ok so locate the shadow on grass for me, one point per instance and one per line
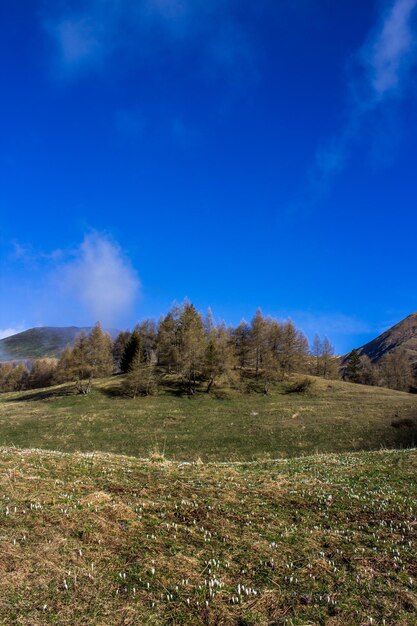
(405, 428)
(170, 389)
(115, 391)
(165, 389)
(44, 394)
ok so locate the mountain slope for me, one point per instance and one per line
(401, 336)
(39, 342)
(43, 341)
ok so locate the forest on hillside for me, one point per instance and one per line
(195, 354)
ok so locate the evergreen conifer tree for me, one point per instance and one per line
(132, 348)
(353, 367)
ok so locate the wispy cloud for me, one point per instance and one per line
(381, 73)
(8, 332)
(92, 281)
(29, 255)
(344, 331)
(331, 323)
(100, 278)
(84, 37)
(391, 52)
(78, 40)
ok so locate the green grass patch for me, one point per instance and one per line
(332, 416)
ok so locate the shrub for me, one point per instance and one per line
(301, 385)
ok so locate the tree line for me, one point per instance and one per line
(196, 354)
(395, 370)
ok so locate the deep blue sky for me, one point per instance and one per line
(239, 153)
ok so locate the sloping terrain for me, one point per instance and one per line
(41, 342)
(101, 539)
(333, 416)
(401, 336)
(38, 342)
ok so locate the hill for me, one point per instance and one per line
(44, 341)
(102, 539)
(403, 335)
(334, 416)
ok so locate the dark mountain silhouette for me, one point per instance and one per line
(401, 336)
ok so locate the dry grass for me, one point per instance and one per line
(102, 539)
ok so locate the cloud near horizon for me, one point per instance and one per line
(330, 323)
(100, 278)
(8, 332)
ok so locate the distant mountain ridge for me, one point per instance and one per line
(40, 342)
(401, 336)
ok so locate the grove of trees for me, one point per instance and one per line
(194, 353)
(395, 370)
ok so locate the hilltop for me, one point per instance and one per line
(40, 342)
(401, 336)
(101, 539)
(332, 416)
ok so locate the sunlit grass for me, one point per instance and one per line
(225, 425)
(101, 539)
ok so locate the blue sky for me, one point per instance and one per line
(239, 154)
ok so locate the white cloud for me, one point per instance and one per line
(8, 332)
(101, 279)
(390, 54)
(381, 72)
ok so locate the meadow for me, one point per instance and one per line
(332, 416)
(227, 509)
(101, 539)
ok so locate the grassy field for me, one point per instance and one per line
(101, 539)
(333, 417)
